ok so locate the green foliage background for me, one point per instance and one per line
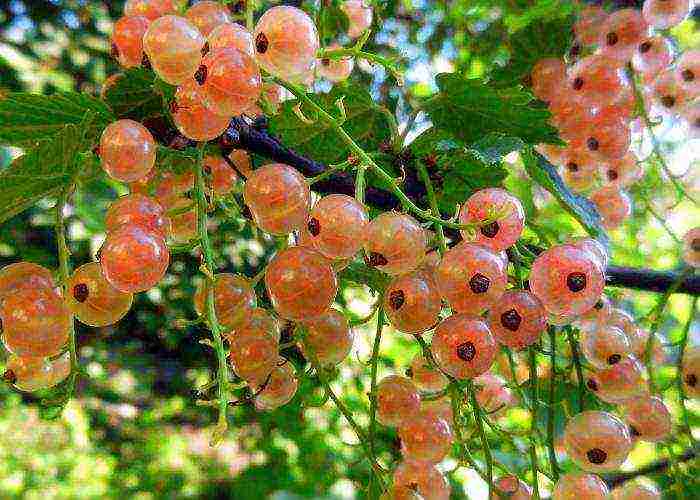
(134, 430)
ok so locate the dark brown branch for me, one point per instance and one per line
(653, 468)
(650, 280)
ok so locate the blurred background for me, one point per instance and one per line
(133, 430)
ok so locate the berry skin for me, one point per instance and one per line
(278, 197)
(621, 172)
(127, 40)
(691, 115)
(691, 247)
(395, 243)
(234, 300)
(648, 418)
(231, 81)
(691, 372)
(412, 303)
(668, 94)
(286, 42)
(425, 376)
(618, 383)
(579, 485)
(425, 437)
(24, 275)
(337, 226)
(595, 79)
(441, 407)
(137, 210)
(613, 204)
(663, 14)
(397, 400)
(605, 137)
(471, 278)
(335, 70)
(597, 441)
(134, 259)
(253, 354)
(687, 73)
(547, 75)
(492, 393)
(222, 178)
(184, 225)
(360, 16)
(34, 374)
(241, 160)
(127, 150)
(635, 490)
(463, 346)
(422, 478)
(301, 284)
(652, 55)
(231, 36)
(151, 9)
(621, 34)
(482, 205)
(517, 319)
(174, 47)
(594, 248)
(35, 322)
(588, 24)
(207, 15)
(194, 120)
(279, 389)
(510, 487)
(605, 346)
(93, 300)
(578, 169)
(329, 337)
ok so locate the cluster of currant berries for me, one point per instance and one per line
(594, 103)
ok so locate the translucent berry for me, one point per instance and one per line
(137, 210)
(222, 178)
(622, 32)
(286, 42)
(668, 94)
(231, 36)
(517, 319)
(234, 299)
(691, 115)
(35, 322)
(621, 172)
(335, 70)
(579, 485)
(425, 437)
(597, 441)
(613, 204)
(471, 278)
(441, 407)
(652, 55)
(547, 74)
(231, 81)
(596, 316)
(492, 394)
(422, 478)
(691, 247)
(301, 283)
(567, 280)
(618, 383)
(579, 169)
(329, 337)
(606, 137)
(208, 15)
(134, 259)
(648, 418)
(463, 346)
(93, 300)
(412, 302)
(337, 226)
(183, 225)
(279, 388)
(194, 120)
(278, 197)
(127, 150)
(151, 9)
(635, 490)
(663, 14)
(605, 346)
(24, 275)
(253, 354)
(587, 26)
(127, 40)
(397, 400)
(360, 16)
(395, 243)
(691, 372)
(510, 487)
(489, 204)
(688, 73)
(594, 248)
(34, 374)
(425, 376)
(595, 79)
(174, 48)
(241, 160)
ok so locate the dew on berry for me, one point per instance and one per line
(517, 319)
(395, 243)
(463, 346)
(397, 400)
(127, 150)
(412, 302)
(329, 337)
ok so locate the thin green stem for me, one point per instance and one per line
(550, 407)
(249, 11)
(455, 398)
(533, 421)
(432, 200)
(329, 172)
(360, 184)
(514, 376)
(208, 268)
(64, 272)
(357, 52)
(576, 357)
(373, 380)
(476, 409)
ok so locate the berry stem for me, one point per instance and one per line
(357, 52)
(455, 398)
(478, 418)
(683, 343)
(373, 379)
(210, 265)
(577, 364)
(550, 406)
(533, 421)
(432, 200)
(249, 11)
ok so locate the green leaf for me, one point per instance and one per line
(545, 174)
(359, 273)
(470, 109)
(332, 22)
(26, 119)
(45, 170)
(134, 95)
(365, 123)
(493, 148)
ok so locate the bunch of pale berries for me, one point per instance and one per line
(594, 103)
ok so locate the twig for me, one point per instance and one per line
(550, 407)
(476, 409)
(575, 356)
(432, 200)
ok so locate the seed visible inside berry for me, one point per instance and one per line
(261, 43)
(9, 377)
(645, 47)
(578, 83)
(691, 380)
(592, 144)
(466, 351)
(314, 226)
(205, 49)
(200, 75)
(81, 292)
(611, 39)
(634, 431)
(592, 385)
(490, 230)
(613, 359)
(668, 101)
(479, 283)
(612, 175)
(596, 456)
(396, 299)
(576, 282)
(695, 245)
(325, 61)
(376, 259)
(572, 166)
(688, 75)
(511, 320)
(599, 305)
